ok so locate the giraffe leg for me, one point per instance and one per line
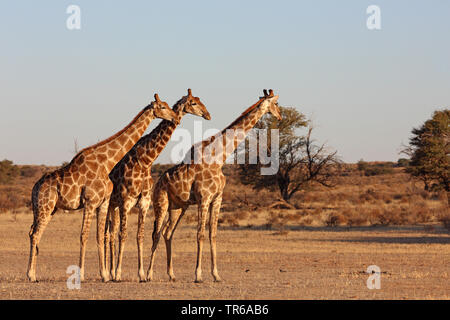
(101, 221)
(160, 211)
(143, 206)
(88, 214)
(213, 219)
(174, 218)
(202, 215)
(113, 227)
(106, 241)
(108, 228)
(123, 234)
(43, 217)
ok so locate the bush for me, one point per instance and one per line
(402, 162)
(29, 171)
(362, 165)
(370, 169)
(8, 171)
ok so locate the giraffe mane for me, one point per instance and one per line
(211, 139)
(177, 104)
(98, 144)
(247, 111)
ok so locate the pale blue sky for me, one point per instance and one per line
(364, 89)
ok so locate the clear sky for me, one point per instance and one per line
(365, 89)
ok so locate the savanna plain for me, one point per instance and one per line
(318, 247)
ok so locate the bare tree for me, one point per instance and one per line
(302, 161)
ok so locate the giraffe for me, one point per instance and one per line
(133, 182)
(201, 183)
(84, 183)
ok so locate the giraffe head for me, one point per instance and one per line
(193, 105)
(162, 110)
(269, 104)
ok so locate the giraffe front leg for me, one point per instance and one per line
(101, 222)
(123, 234)
(213, 219)
(113, 227)
(202, 215)
(140, 239)
(106, 242)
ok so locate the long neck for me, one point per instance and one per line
(155, 142)
(109, 152)
(230, 137)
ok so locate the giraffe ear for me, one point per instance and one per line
(157, 98)
(189, 92)
(270, 93)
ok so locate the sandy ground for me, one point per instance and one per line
(302, 263)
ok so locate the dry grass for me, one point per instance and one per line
(255, 263)
(317, 249)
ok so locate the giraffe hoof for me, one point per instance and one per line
(105, 279)
(142, 280)
(173, 280)
(198, 281)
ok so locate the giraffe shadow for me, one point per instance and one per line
(385, 240)
(437, 229)
(412, 234)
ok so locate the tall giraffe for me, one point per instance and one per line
(84, 183)
(133, 182)
(202, 184)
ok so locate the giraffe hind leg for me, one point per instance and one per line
(175, 216)
(160, 210)
(42, 216)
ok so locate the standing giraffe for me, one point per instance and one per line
(202, 183)
(133, 182)
(84, 183)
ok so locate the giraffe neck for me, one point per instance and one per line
(155, 142)
(110, 151)
(233, 135)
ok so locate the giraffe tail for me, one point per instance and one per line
(35, 207)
